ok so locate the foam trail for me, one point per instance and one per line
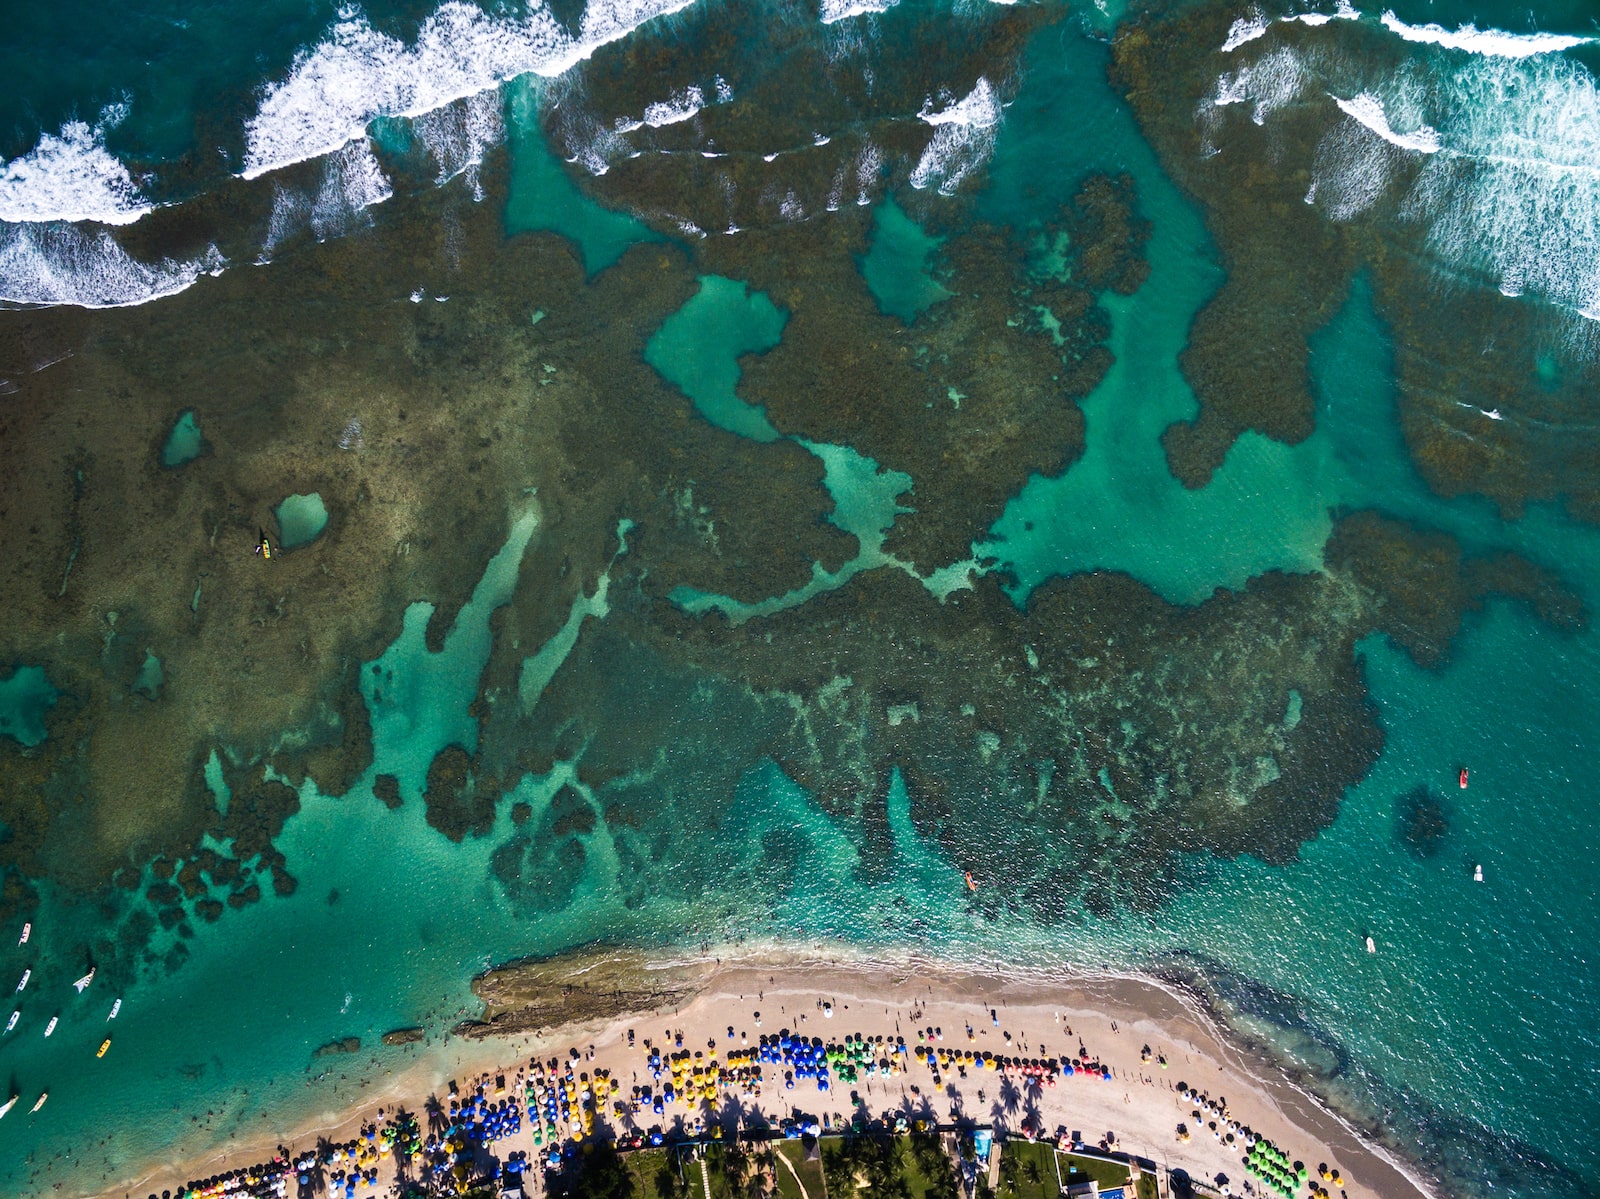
(335, 89)
(63, 264)
(1368, 110)
(71, 176)
(352, 181)
(840, 10)
(460, 134)
(1494, 43)
(963, 139)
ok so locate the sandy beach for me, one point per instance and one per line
(1127, 1025)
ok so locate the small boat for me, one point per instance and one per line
(26, 975)
(1477, 874)
(9, 1104)
(26, 929)
(1463, 779)
(51, 1027)
(1371, 946)
(12, 1023)
(971, 886)
(83, 983)
(45, 1095)
(104, 1045)
(115, 1008)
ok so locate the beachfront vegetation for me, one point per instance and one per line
(907, 1167)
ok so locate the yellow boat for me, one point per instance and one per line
(104, 1045)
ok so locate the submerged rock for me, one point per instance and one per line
(343, 1045)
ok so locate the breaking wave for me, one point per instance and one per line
(63, 264)
(1492, 157)
(71, 176)
(963, 139)
(337, 88)
(1491, 42)
(840, 10)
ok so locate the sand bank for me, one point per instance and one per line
(592, 1000)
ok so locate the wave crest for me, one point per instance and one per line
(71, 176)
(64, 264)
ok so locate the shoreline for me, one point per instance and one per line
(1116, 1015)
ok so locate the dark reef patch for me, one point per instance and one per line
(1497, 396)
(1422, 821)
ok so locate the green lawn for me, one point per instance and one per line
(1107, 1174)
(1027, 1171)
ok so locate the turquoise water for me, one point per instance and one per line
(651, 804)
(184, 443)
(26, 696)
(896, 268)
(301, 519)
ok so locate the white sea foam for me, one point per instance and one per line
(1349, 173)
(963, 139)
(291, 212)
(71, 176)
(460, 134)
(681, 107)
(64, 264)
(336, 88)
(1492, 160)
(352, 181)
(1246, 29)
(1368, 110)
(1344, 12)
(979, 109)
(869, 169)
(1495, 43)
(1267, 84)
(839, 10)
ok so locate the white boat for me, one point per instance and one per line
(83, 983)
(45, 1095)
(26, 975)
(115, 1008)
(51, 1027)
(12, 1023)
(1371, 946)
(9, 1104)
(1477, 874)
(26, 929)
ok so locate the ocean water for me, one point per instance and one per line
(610, 367)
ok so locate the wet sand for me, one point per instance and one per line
(1115, 1019)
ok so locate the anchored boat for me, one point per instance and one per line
(83, 983)
(26, 975)
(104, 1045)
(9, 1104)
(40, 1104)
(26, 929)
(115, 1008)
(12, 1023)
(51, 1027)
